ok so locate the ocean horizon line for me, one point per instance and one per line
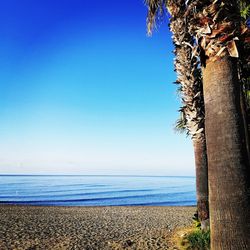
(100, 175)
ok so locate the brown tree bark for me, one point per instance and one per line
(228, 166)
(200, 153)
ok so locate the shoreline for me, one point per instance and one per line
(3, 204)
(90, 227)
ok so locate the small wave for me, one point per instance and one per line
(148, 196)
(73, 194)
(74, 203)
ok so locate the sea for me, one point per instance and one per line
(96, 190)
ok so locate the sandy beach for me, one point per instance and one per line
(32, 227)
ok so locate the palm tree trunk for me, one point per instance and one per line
(200, 153)
(228, 166)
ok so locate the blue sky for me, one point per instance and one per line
(84, 90)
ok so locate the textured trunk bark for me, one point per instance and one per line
(228, 166)
(200, 153)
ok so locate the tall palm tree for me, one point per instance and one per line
(189, 78)
(215, 26)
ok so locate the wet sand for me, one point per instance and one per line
(99, 228)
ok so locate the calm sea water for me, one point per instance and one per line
(97, 190)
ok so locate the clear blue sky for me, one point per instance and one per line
(84, 90)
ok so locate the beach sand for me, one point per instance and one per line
(101, 228)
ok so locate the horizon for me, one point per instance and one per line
(108, 175)
(87, 91)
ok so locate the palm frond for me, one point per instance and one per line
(181, 123)
(156, 10)
(245, 9)
(186, 63)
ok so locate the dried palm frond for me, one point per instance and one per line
(188, 72)
(186, 60)
(156, 9)
(216, 27)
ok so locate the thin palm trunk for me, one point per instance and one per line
(200, 153)
(229, 193)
